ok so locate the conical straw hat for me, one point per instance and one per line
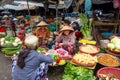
(5, 16)
(66, 28)
(42, 23)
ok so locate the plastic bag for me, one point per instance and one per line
(61, 52)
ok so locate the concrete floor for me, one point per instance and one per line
(54, 73)
(5, 68)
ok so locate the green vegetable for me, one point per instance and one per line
(15, 44)
(115, 40)
(111, 46)
(114, 44)
(2, 35)
(7, 44)
(102, 49)
(40, 49)
(87, 26)
(8, 41)
(56, 57)
(17, 39)
(117, 46)
(67, 77)
(11, 50)
(9, 37)
(77, 73)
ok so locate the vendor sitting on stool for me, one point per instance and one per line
(42, 33)
(66, 39)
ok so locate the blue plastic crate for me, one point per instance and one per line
(106, 34)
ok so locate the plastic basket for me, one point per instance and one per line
(106, 34)
(109, 70)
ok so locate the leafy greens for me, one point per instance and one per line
(72, 72)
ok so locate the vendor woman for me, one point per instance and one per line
(66, 39)
(42, 33)
(9, 24)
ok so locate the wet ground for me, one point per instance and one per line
(54, 73)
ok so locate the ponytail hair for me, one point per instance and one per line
(21, 57)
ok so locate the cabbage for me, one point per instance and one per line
(6, 41)
(20, 42)
(15, 44)
(115, 40)
(117, 46)
(111, 46)
(17, 40)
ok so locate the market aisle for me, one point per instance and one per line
(5, 68)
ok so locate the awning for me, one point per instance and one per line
(31, 7)
(30, 3)
(65, 4)
(19, 7)
(13, 7)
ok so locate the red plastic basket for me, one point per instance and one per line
(109, 70)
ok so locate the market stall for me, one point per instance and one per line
(82, 58)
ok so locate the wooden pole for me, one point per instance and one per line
(118, 15)
(29, 12)
(28, 7)
(56, 17)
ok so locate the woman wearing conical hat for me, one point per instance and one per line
(66, 39)
(9, 24)
(42, 33)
